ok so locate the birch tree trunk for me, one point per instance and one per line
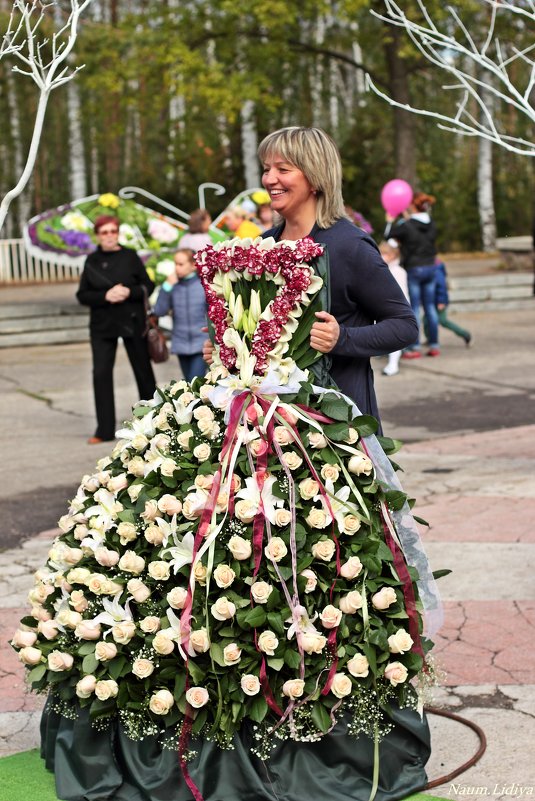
(485, 196)
(23, 205)
(249, 143)
(398, 81)
(77, 171)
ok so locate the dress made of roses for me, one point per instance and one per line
(233, 566)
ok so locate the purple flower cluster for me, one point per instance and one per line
(77, 239)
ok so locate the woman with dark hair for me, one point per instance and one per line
(416, 234)
(114, 284)
(197, 236)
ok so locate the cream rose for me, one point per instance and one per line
(318, 518)
(68, 618)
(317, 440)
(150, 512)
(154, 534)
(150, 624)
(142, 668)
(231, 654)
(80, 531)
(352, 436)
(106, 557)
(118, 483)
(200, 573)
(330, 472)
(200, 641)
(292, 460)
(87, 630)
(127, 532)
(23, 639)
(130, 562)
(202, 452)
(203, 413)
(283, 435)
(139, 591)
(312, 579)
(239, 547)
(258, 447)
(224, 576)
(78, 575)
(123, 632)
(351, 602)
(358, 666)
(136, 467)
(400, 642)
(168, 467)
(352, 568)
(197, 697)
(268, 642)
(261, 591)
(184, 437)
(330, 617)
(282, 517)
(324, 550)
(163, 642)
(169, 505)
(384, 598)
(30, 655)
(341, 685)
(396, 673)
(176, 598)
(250, 684)
(312, 642)
(134, 491)
(308, 488)
(204, 482)
(161, 702)
(223, 609)
(350, 525)
(104, 651)
(86, 686)
(360, 464)
(159, 570)
(139, 442)
(293, 688)
(245, 511)
(106, 689)
(59, 661)
(48, 629)
(276, 549)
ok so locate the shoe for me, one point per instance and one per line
(391, 370)
(96, 440)
(433, 352)
(468, 340)
(411, 354)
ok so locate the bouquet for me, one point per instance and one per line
(234, 562)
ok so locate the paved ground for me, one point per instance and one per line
(469, 423)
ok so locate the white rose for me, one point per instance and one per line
(200, 573)
(184, 438)
(400, 642)
(123, 632)
(159, 570)
(161, 702)
(308, 488)
(396, 673)
(202, 452)
(311, 578)
(250, 684)
(59, 661)
(23, 639)
(168, 467)
(317, 440)
(30, 655)
(231, 654)
(134, 491)
(200, 641)
(204, 482)
(154, 534)
(331, 617)
(197, 697)
(350, 524)
(245, 511)
(163, 642)
(324, 550)
(292, 460)
(352, 436)
(68, 618)
(150, 512)
(150, 624)
(268, 642)
(224, 576)
(203, 413)
(127, 532)
(359, 666)
(276, 549)
(106, 557)
(136, 467)
(351, 568)
(139, 591)
(341, 685)
(351, 602)
(169, 505)
(86, 686)
(139, 442)
(78, 575)
(104, 651)
(330, 472)
(293, 688)
(78, 601)
(239, 547)
(261, 591)
(106, 689)
(312, 642)
(360, 464)
(142, 668)
(384, 598)
(318, 518)
(176, 598)
(130, 562)
(283, 435)
(87, 630)
(282, 517)
(48, 629)
(118, 483)
(223, 609)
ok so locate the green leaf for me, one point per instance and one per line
(275, 663)
(421, 521)
(258, 709)
(275, 622)
(337, 431)
(389, 445)
(199, 721)
(196, 672)
(115, 666)
(256, 617)
(440, 573)
(216, 652)
(395, 499)
(366, 425)
(320, 717)
(292, 658)
(336, 408)
(37, 673)
(89, 664)
(86, 648)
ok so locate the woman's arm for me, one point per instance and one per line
(143, 280)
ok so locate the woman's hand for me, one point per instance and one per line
(324, 333)
(117, 294)
(207, 348)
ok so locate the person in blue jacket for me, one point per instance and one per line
(442, 301)
(182, 295)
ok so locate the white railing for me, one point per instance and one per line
(17, 266)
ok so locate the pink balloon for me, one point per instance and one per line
(396, 196)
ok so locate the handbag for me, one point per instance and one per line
(156, 341)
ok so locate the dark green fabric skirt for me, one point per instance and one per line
(92, 765)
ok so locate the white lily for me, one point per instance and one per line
(139, 425)
(178, 635)
(184, 414)
(168, 529)
(237, 314)
(181, 551)
(300, 621)
(251, 492)
(114, 613)
(339, 503)
(105, 511)
(255, 307)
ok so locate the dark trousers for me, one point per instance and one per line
(104, 350)
(192, 365)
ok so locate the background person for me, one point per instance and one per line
(113, 284)
(197, 236)
(182, 294)
(389, 250)
(416, 234)
(442, 301)
(238, 223)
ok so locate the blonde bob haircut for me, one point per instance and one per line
(313, 152)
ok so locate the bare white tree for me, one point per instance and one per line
(511, 70)
(44, 61)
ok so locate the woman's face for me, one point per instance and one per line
(108, 236)
(289, 189)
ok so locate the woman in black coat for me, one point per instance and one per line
(113, 284)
